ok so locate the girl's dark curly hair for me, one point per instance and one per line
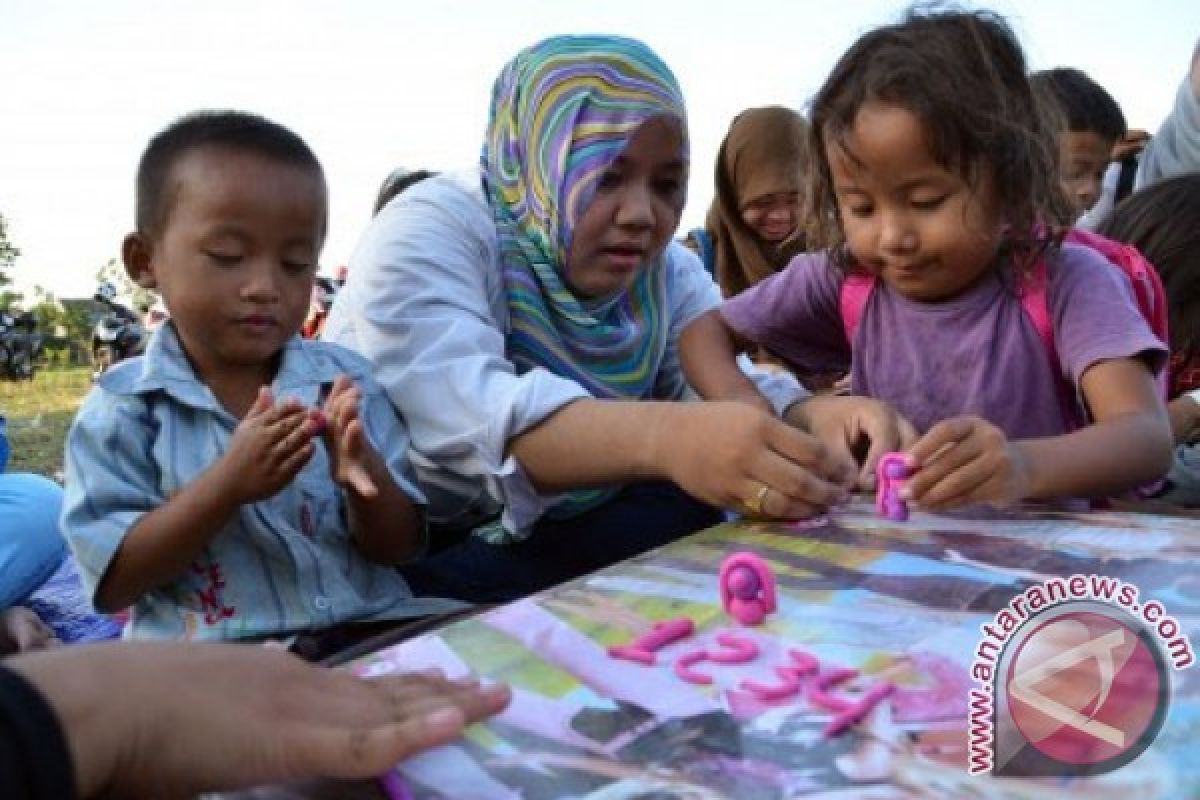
(963, 75)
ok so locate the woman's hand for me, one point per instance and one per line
(735, 456)
(855, 429)
(173, 719)
(967, 461)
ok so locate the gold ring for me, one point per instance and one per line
(755, 504)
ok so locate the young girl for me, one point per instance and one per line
(934, 171)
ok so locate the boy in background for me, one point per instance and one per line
(1093, 125)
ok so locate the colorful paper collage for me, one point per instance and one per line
(901, 602)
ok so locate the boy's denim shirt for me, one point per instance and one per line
(279, 565)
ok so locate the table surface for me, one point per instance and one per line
(901, 602)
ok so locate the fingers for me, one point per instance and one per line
(28, 631)
(946, 432)
(839, 453)
(428, 711)
(805, 450)
(885, 435)
(793, 492)
(348, 753)
(262, 402)
(294, 462)
(353, 444)
(963, 461)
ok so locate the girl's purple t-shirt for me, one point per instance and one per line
(978, 353)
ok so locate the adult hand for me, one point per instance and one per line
(859, 430)
(270, 445)
(349, 450)
(175, 719)
(967, 461)
(735, 456)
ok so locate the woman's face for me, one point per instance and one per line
(773, 217)
(633, 213)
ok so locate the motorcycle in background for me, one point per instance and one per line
(118, 334)
(20, 346)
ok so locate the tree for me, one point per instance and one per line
(112, 272)
(8, 253)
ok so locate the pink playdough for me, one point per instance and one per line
(855, 714)
(683, 668)
(734, 649)
(642, 649)
(747, 588)
(890, 474)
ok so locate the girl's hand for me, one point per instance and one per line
(967, 461)
(855, 429)
(270, 445)
(734, 456)
(349, 451)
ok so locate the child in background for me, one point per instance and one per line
(1091, 127)
(935, 174)
(1163, 223)
(754, 225)
(237, 481)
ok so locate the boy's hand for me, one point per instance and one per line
(967, 461)
(350, 454)
(270, 445)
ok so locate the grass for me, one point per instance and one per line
(39, 413)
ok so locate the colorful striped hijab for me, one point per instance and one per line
(562, 112)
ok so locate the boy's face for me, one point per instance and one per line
(1083, 157)
(235, 257)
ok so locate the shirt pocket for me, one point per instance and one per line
(318, 513)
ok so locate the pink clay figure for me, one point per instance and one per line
(747, 588)
(891, 473)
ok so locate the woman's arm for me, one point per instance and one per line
(722, 453)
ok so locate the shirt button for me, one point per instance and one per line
(322, 603)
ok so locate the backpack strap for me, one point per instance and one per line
(852, 298)
(1033, 292)
(1035, 300)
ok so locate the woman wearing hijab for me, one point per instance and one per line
(524, 316)
(753, 226)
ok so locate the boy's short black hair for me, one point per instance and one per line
(235, 130)
(1085, 105)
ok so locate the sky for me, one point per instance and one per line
(372, 85)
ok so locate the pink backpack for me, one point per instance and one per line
(1147, 290)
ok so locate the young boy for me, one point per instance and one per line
(237, 481)
(1093, 124)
